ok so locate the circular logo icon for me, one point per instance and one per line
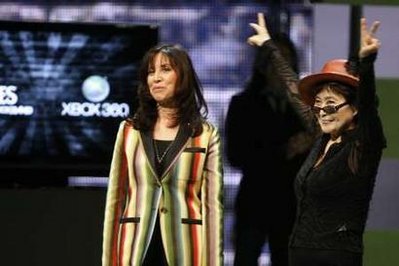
(95, 88)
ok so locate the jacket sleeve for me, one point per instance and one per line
(212, 203)
(290, 79)
(370, 126)
(114, 199)
(366, 154)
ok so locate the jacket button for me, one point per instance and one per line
(164, 210)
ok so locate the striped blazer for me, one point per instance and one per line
(188, 197)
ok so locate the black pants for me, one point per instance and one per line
(156, 255)
(250, 238)
(320, 257)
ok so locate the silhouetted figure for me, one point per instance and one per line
(267, 142)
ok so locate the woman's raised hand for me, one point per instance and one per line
(369, 44)
(262, 34)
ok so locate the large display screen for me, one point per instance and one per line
(64, 88)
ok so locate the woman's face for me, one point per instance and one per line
(161, 80)
(338, 116)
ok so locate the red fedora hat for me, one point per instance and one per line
(333, 71)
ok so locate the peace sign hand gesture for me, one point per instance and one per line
(369, 44)
(262, 34)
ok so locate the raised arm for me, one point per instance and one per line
(283, 69)
(368, 49)
(368, 121)
(262, 38)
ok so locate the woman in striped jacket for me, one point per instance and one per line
(164, 201)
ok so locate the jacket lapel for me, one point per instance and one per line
(311, 160)
(181, 138)
(149, 148)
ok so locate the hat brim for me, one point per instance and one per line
(308, 84)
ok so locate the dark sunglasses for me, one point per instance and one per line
(328, 109)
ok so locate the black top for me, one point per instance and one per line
(161, 148)
(333, 198)
(156, 254)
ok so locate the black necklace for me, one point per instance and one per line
(159, 156)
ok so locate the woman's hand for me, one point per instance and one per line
(369, 44)
(262, 34)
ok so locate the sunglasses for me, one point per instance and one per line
(328, 109)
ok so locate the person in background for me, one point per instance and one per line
(164, 203)
(335, 184)
(266, 141)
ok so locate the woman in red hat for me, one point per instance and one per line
(335, 184)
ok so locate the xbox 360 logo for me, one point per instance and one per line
(95, 88)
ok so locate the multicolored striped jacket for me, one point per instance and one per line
(188, 197)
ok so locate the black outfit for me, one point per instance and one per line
(263, 135)
(333, 198)
(155, 255)
(324, 257)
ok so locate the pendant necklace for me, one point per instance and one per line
(157, 155)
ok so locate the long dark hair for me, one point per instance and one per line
(189, 100)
